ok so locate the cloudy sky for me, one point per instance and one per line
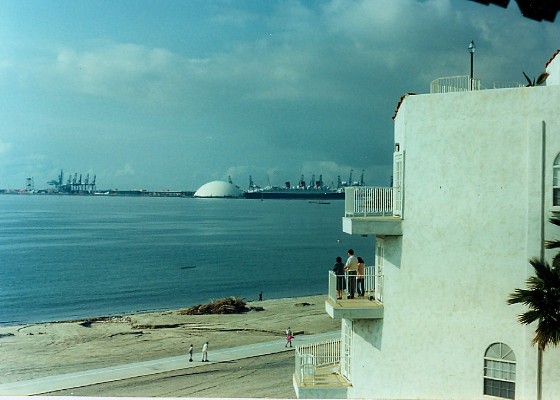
(171, 94)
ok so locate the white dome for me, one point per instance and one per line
(218, 189)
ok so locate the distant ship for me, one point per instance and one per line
(315, 190)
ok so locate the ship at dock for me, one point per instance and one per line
(314, 190)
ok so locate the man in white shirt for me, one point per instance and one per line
(205, 352)
(352, 268)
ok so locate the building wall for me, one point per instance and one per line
(472, 219)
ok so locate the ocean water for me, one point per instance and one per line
(69, 257)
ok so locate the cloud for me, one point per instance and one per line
(126, 170)
(276, 90)
(125, 72)
(4, 147)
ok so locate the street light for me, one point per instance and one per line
(472, 48)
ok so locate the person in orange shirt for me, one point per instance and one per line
(361, 277)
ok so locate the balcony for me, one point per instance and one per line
(370, 306)
(317, 371)
(373, 211)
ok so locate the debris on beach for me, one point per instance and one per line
(87, 323)
(3, 335)
(229, 305)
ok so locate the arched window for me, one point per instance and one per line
(499, 371)
(556, 181)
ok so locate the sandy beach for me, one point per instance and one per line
(39, 350)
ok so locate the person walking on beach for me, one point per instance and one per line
(352, 268)
(338, 270)
(190, 352)
(289, 337)
(205, 352)
(361, 277)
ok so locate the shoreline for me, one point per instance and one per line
(134, 312)
(52, 348)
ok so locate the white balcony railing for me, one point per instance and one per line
(363, 201)
(312, 356)
(373, 284)
(455, 84)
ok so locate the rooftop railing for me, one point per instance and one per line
(312, 356)
(455, 84)
(364, 201)
(507, 85)
(465, 83)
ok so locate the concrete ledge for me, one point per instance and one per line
(379, 226)
(359, 308)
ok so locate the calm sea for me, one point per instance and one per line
(67, 257)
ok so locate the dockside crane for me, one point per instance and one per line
(302, 182)
(57, 183)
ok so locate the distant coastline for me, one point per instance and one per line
(110, 192)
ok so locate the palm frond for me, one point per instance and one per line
(528, 80)
(554, 220)
(542, 78)
(552, 244)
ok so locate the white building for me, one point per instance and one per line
(476, 177)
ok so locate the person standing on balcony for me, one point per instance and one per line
(338, 270)
(352, 268)
(361, 277)
(190, 353)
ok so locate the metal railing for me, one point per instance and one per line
(373, 284)
(455, 84)
(312, 356)
(507, 85)
(370, 201)
(465, 83)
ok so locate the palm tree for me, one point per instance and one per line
(542, 296)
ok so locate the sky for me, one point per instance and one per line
(171, 94)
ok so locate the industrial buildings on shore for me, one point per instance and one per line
(77, 184)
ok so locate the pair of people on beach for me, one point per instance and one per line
(204, 352)
(355, 268)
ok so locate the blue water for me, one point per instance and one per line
(68, 257)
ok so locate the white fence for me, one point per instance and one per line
(369, 201)
(373, 284)
(455, 84)
(309, 357)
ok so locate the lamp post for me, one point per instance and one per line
(471, 51)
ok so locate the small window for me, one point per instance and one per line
(556, 182)
(499, 371)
